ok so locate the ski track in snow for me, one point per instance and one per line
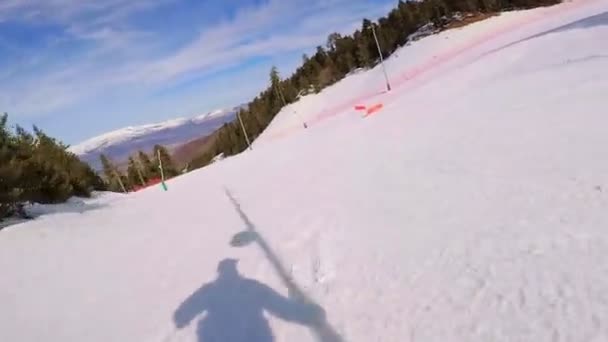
(472, 207)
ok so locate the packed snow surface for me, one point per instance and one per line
(472, 207)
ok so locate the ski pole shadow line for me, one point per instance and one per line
(234, 308)
(320, 327)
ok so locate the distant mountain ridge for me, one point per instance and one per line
(118, 145)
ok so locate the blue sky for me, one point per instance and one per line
(78, 68)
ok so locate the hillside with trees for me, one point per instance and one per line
(343, 54)
(37, 168)
(142, 170)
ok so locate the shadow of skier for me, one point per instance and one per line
(235, 305)
(321, 329)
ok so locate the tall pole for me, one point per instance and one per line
(160, 165)
(388, 84)
(122, 185)
(141, 177)
(162, 172)
(238, 113)
(280, 93)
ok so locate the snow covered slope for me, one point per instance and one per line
(472, 207)
(119, 144)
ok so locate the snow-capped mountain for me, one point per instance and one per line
(121, 143)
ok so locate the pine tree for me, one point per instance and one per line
(148, 168)
(113, 178)
(9, 185)
(79, 178)
(108, 167)
(344, 55)
(254, 127)
(168, 166)
(387, 36)
(134, 174)
(50, 174)
(278, 98)
(363, 55)
(9, 171)
(38, 168)
(329, 74)
(320, 56)
(305, 59)
(314, 71)
(346, 62)
(289, 90)
(275, 79)
(332, 42)
(303, 84)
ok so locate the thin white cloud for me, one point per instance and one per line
(253, 33)
(64, 10)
